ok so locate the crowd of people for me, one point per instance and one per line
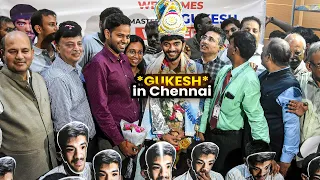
(63, 97)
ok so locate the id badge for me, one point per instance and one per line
(216, 111)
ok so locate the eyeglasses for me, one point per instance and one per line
(132, 52)
(209, 38)
(315, 65)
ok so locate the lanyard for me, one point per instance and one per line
(233, 78)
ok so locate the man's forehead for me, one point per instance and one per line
(205, 19)
(251, 23)
(23, 20)
(212, 34)
(71, 39)
(172, 41)
(79, 140)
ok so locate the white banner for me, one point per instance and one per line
(86, 13)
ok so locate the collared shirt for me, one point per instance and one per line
(92, 45)
(194, 47)
(108, 81)
(256, 58)
(187, 176)
(300, 69)
(311, 94)
(86, 173)
(41, 60)
(242, 172)
(213, 67)
(244, 86)
(291, 123)
(67, 96)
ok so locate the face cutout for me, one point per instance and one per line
(160, 158)
(7, 166)
(73, 143)
(260, 170)
(107, 165)
(203, 157)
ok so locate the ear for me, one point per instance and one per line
(144, 174)
(308, 66)
(100, 24)
(107, 34)
(58, 48)
(184, 45)
(199, 26)
(38, 29)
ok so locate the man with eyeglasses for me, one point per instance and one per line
(308, 109)
(278, 86)
(236, 100)
(311, 167)
(258, 164)
(6, 26)
(210, 45)
(20, 15)
(297, 46)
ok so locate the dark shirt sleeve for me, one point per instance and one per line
(96, 82)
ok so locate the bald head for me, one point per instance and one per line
(15, 37)
(18, 52)
(279, 50)
(297, 46)
(296, 38)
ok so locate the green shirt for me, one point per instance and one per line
(245, 87)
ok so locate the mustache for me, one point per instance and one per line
(77, 159)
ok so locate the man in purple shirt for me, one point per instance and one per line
(108, 79)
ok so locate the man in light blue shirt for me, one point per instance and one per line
(278, 87)
(93, 43)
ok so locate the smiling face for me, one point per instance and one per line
(209, 43)
(172, 49)
(135, 53)
(18, 54)
(70, 49)
(75, 153)
(119, 38)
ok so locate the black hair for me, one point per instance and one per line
(115, 20)
(171, 37)
(134, 38)
(279, 50)
(306, 33)
(314, 165)
(68, 29)
(219, 31)
(151, 25)
(21, 11)
(55, 176)
(245, 42)
(277, 33)
(157, 150)
(70, 130)
(257, 146)
(205, 148)
(230, 20)
(7, 164)
(106, 157)
(142, 160)
(108, 11)
(4, 19)
(198, 20)
(36, 18)
(251, 18)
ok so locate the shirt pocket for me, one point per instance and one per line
(231, 100)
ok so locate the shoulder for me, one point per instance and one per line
(236, 172)
(216, 175)
(88, 38)
(181, 177)
(278, 177)
(53, 74)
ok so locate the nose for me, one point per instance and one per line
(230, 33)
(78, 154)
(28, 27)
(55, 28)
(19, 55)
(164, 173)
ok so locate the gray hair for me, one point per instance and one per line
(280, 52)
(294, 36)
(314, 48)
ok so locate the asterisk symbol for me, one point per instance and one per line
(140, 78)
(205, 78)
